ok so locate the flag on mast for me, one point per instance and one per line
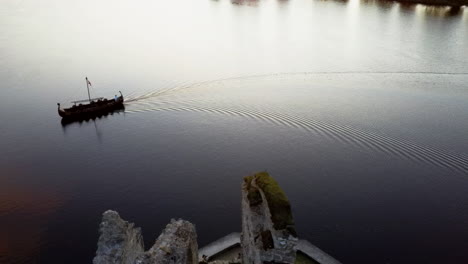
(88, 82)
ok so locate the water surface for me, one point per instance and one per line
(358, 108)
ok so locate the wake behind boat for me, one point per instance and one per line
(90, 108)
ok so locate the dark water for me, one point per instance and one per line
(358, 109)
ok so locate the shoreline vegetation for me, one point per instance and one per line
(449, 5)
(455, 5)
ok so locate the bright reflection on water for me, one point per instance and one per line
(358, 108)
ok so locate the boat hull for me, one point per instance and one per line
(91, 110)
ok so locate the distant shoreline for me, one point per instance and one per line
(440, 3)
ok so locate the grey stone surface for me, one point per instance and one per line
(260, 241)
(119, 241)
(177, 244)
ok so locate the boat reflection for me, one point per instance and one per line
(67, 122)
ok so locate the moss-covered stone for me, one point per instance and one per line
(278, 203)
(253, 195)
(255, 198)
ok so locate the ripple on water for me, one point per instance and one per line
(201, 97)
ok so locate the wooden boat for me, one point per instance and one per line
(90, 108)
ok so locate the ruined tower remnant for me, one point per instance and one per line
(121, 243)
(268, 233)
(177, 244)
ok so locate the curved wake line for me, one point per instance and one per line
(325, 127)
(344, 134)
(155, 93)
(188, 85)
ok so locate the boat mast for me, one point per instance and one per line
(87, 86)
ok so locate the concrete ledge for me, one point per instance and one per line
(233, 240)
(315, 253)
(219, 245)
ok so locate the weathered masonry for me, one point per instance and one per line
(268, 236)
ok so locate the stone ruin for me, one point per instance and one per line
(121, 243)
(268, 234)
(176, 244)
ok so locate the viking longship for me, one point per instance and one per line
(91, 107)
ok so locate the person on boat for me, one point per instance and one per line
(115, 97)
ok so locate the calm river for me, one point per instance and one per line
(358, 108)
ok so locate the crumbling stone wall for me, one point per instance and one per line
(268, 234)
(120, 242)
(177, 244)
